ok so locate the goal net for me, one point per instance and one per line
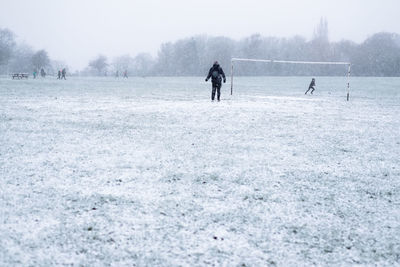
(271, 61)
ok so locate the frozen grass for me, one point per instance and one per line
(150, 172)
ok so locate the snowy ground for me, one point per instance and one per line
(147, 171)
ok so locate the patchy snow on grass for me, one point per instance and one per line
(100, 171)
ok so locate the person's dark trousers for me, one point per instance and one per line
(311, 87)
(216, 87)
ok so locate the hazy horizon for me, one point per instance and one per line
(76, 32)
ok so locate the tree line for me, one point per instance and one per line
(378, 55)
(22, 58)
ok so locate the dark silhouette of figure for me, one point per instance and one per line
(59, 75)
(42, 73)
(311, 86)
(126, 74)
(63, 72)
(215, 74)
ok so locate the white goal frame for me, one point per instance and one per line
(294, 62)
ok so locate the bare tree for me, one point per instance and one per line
(321, 49)
(7, 44)
(321, 32)
(122, 63)
(21, 60)
(99, 64)
(40, 59)
(142, 64)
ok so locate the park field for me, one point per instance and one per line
(150, 172)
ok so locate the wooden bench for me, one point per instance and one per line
(20, 76)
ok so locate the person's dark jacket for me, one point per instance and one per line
(312, 84)
(215, 74)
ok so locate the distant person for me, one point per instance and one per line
(215, 74)
(117, 74)
(126, 74)
(34, 74)
(63, 72)
(42, 73)
(311, 86)
(59, 75)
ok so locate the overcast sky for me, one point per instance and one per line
(75, 31)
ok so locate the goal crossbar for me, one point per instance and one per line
(295, 62)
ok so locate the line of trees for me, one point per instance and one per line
(379, 55)
(21, 58)
(141, 65)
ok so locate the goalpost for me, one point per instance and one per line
(294, 62)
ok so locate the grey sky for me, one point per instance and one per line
(77, 30)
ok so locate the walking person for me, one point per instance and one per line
(59, 75)
(42, 73)
(311, 86)
(63, 72)
(215, 74)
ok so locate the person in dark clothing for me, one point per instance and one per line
(59, 75)
(215, 74)
(42, 73)
(311, 86)
(63, 72)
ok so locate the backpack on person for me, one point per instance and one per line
(215, 74)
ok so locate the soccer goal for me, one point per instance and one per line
(348, 64)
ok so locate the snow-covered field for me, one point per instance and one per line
(149, 172)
